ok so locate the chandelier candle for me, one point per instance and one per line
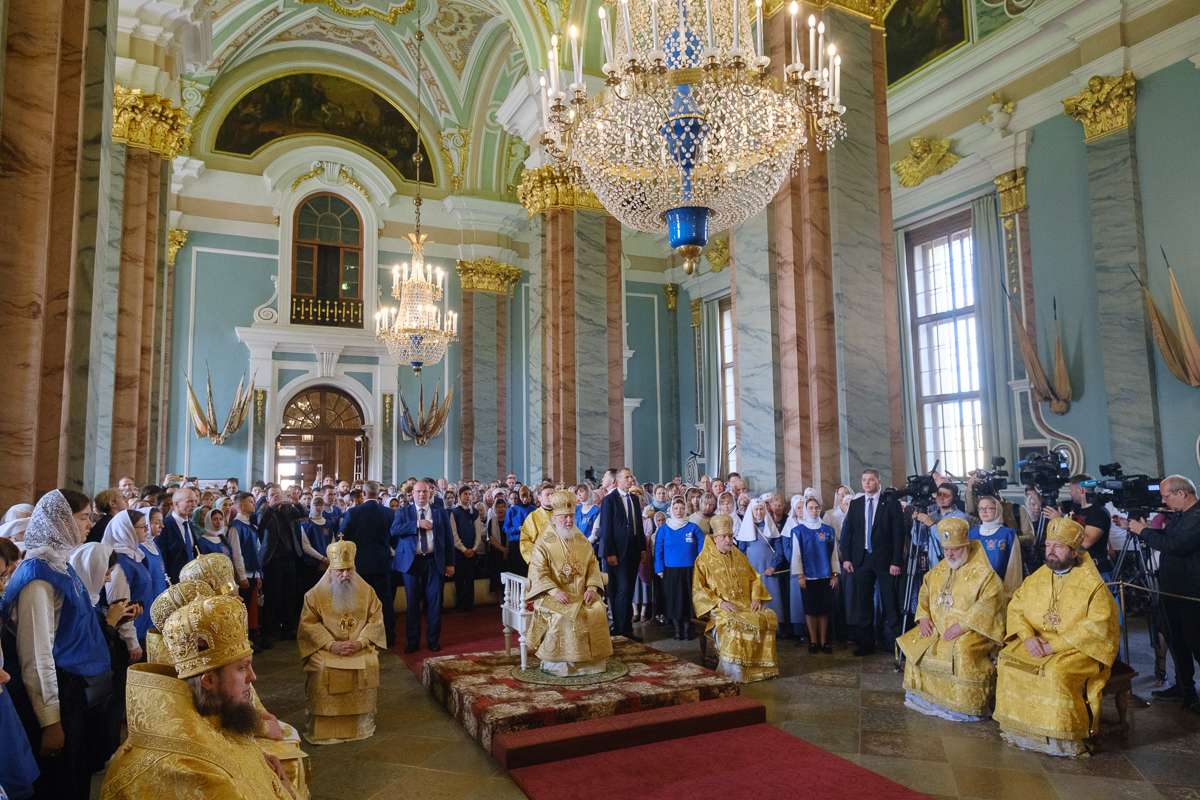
(606, 35)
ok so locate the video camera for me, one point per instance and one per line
(991, 482)
(1136, 495)
(1046, 472)
(920, 491)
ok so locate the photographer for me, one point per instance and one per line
(946, 507)
(1179, 573)
(1095, 522)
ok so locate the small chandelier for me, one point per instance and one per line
(417, 332)
(691, 131)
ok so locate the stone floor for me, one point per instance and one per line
(849, 706)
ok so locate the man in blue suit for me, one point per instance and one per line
(177, 541)
(622, 543)
(369, 526)
(423, 556)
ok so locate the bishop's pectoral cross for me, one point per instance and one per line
(347, 624)
(1051, 619)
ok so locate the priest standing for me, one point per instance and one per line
(730, 594)
(340, 634)
(570, 625)
(1063, 632)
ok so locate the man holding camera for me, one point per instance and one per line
(946, 508)
(1094, 520)
(1179, 574)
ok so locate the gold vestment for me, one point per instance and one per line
(575, 632)
(173, 752)
(1051, 697)
(957, 674)
(341, 690)
(537, 523)
(746, 639)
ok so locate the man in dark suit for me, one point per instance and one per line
(369, 526)
(279, 526)
(424, 555)
(622, 543)
(872, 545)
(177, 541)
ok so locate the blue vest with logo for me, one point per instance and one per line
(79, 646)
(997, 547)
(157, 570)
(141, 589)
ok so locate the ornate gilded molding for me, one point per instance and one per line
(387, 409)
(455, 145)
(514, 161)
(306, 176)
(718, 253)
(1105, 106)
(1011, 188)
(561, 10)
(390, 16)
(697, 306)
(345, 175)
(175, 242)
(149, 121)
(260, 405)
(334, 173)
(488, 275)
(551, 187)
(928, 157)
(671, 290)
(872, 10)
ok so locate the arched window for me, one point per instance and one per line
(327, 265)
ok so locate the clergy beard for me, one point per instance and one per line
(345, 596)
(956, 563)
(235, 716)
(1062, 565)
(564, 531)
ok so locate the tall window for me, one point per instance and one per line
(946, 344)
(327, 268)
(728, 455)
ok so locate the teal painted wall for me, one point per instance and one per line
(646, 378)
(687, 381)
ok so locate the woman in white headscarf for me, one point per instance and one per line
(814, 563)
(795, 601)
(233, 539)
(64, 658)
(765, 547)
(130, 579)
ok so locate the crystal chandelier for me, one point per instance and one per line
(691, 131)
(417, 332)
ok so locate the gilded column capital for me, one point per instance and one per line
(1105, 106)
(175, 242)
(550, 187)
(150, 122)
(718, 254)
(671, 290)
(488, 275)
(697, 306)
(1011, 188)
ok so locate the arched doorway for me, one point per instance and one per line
(322, 435)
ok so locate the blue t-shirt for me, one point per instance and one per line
(677, 547)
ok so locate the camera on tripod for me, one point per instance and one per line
(1046, 472)
(991, 481)
(919, 490)
(1136, 495)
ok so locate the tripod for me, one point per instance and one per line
(1142, 575)
(918, 564)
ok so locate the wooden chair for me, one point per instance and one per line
(1120, 686)
(702, 638)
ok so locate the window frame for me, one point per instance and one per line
(727, 459)
(914, 238)
(298, 242)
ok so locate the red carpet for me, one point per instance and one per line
(481, 630)
(759, 762)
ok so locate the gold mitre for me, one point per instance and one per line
(953, 532)
(207, 634)
(176, 597)
(721, 525)
(562, 502)
(341, 554)
(215, 569)
(1067, 531)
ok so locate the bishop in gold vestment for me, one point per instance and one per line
(173, 751)
(948, 669)
(727, 590)
(1063, 629)
(537, 523)
(341, 631)
(569, 629)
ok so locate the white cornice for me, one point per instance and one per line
(268, 339)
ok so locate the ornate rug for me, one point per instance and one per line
(613, 670)
(479, 690)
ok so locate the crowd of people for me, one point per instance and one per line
(163, 594)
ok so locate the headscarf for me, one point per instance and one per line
(813, 493)
(811, 522)
(988, 528)
(149, 545)
(793, 521)
(90, 561)
(52, 534)
(13, 528)
(120, 535)
(748, 532)
(676, 524)
(198, 517)
(319, 519)
(19, 508)
(732, 500)
(661, 505)
(209, 530)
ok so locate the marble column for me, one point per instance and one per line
(1119, 246)
(484, 377)
(558, 287)
(501, 386)
(861, 292)
(150, 285)
(616, 343)
(38, 179)
(466, 433)
(534, 400)
(754, 295)
(592, 375)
